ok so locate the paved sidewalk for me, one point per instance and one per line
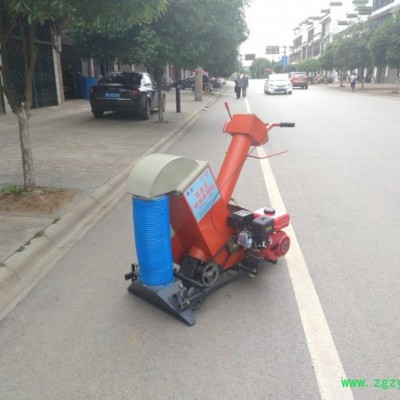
(72, 149)
(376, 88)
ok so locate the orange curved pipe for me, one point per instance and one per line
(247, 130)
(232, 165)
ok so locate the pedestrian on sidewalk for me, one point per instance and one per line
(353, 81)
(239, 86)
(245, 84)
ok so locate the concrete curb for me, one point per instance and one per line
(23, 270)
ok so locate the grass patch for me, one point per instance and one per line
(38, 234)
(12, 189)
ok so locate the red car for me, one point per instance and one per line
(299, 79)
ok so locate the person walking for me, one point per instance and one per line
(353, 81)
(245, 84)
(238, 85)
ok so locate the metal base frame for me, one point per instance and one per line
(165, 299)
(176, 299)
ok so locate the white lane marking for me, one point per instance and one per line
(328, 368)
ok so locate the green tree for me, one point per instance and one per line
(378, 46)
(385, 45)
(150, 50)
(194, 33)
(22, 18)
(113, 16)
(277, 67)
(355, 47)
(393, 50)
(291, 68)
(341, 55)
(334, 57)
(203, 33)
(309, 65)
(189, 34)
(327, 58)
(349, 50)
(210, 35)
(259, 68)
(228, 29)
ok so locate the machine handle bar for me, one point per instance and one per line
(287, 125)
(280, 125)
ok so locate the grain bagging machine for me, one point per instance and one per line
(188, 235)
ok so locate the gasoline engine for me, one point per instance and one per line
(189, 235)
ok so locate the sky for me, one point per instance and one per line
(271, 23)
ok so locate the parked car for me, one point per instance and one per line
(125, 91)
(299, 79)
(217, 83)
(189, 82)
(278, 83)
(168, 84)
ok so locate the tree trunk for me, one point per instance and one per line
(362, 77)
(341, 79)
(159, 76)
(396, 90)
(26, 151)
(21, 110)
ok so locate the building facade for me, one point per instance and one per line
(311, 36)
(47, 80)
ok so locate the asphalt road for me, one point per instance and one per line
(340, 182)
(81, 335)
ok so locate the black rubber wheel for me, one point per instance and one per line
(98, 113)
(147, 111)
(197, 303)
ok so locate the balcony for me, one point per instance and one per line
(364, 10)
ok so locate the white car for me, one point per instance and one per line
(278, 83)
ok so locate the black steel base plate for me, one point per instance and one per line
(165, 298)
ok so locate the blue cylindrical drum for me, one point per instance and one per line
(152, 238)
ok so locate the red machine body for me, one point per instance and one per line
(210, 234)
(279, 242)
(210, 237)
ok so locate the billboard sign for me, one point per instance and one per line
(272, 50)
(249, 57)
